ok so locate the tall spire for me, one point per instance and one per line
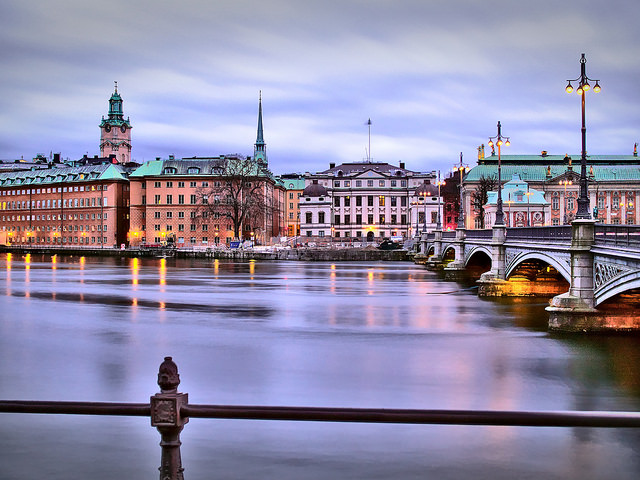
(260, 138)
(259, 150)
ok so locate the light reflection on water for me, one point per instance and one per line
(293, 333)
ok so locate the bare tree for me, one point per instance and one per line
(480, 196)
(240, 194)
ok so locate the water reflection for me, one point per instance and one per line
(352, 334)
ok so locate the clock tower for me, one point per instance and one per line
(115, 131)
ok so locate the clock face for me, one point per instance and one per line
(107, 128)
(123, 128)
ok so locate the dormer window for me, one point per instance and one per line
(169, 171)
(340, 173)
(193, 170)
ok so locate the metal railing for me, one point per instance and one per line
(170, 411)
(627, 236)
(540, 234)
(479, 233)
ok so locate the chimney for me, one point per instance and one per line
(332, 165)
(401, 164)
(171, 157)
(544, 153)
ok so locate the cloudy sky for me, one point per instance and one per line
(434, 76)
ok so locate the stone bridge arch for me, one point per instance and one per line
(448, 252)
(562, 268)
(476, 250)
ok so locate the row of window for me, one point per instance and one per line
(346, 201)
(75, 216)
(180, 184)
(54, 228)
(382, 219)
(39, 191)
(370, 183)
(55, 203)
(84, 240)
(205, 227)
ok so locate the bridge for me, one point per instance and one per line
(591, 271)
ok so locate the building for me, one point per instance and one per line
(293, 184)
(613, 185)
(361, 201)
(60, 205)
(115, 131)
(522, 206)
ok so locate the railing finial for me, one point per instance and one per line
(168, 378)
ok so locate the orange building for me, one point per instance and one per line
(85, 205)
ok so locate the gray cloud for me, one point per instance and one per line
(433, 76)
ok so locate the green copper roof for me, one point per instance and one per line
(62, 174)
(541, 173)
(560, 159)
(515, 191)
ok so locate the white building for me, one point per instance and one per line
(365, 200)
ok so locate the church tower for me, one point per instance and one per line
(259, 149)
(115, 131)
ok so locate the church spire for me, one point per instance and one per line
(259, 151)
(260, 137)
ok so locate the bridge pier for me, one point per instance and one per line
(456, 269)
(434, 262)
(493, 283)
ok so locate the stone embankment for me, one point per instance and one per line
(304, 254)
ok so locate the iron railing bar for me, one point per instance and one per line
(439, 417)
(337, 414)
(76, 408)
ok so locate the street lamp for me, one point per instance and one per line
(583, 88)
(462, 168)
(500, 140)
(440, 184)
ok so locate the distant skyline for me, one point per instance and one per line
(434, 77)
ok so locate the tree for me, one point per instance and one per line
(242, 194)
(480, 196)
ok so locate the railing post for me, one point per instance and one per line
(165, 416)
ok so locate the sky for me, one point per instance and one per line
(434, 77)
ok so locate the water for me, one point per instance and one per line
(292, 333)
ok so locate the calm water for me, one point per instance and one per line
(275, 333)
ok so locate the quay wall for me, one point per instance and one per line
(303, 254)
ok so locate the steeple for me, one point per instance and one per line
(115, 131)
(259, 151)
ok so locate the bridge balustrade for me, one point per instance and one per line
(541, 234)
(483, 233)
(449, 234)
(627, 236)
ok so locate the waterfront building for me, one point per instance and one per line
(523, 206)
(86, 205)
(115, 131)
(294, 185)
(361, 201)
(613, 185)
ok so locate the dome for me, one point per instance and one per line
(427, 189)
(314, 190)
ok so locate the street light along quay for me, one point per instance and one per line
(583, 88)
(462, 168)
(499, 141)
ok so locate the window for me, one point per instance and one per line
(403, 183)
(156, 184)
(308, 217)
(205, 227)
(169, 184)
(381, 201)
(369, 183)
(347, 201)
(181, 199)
(169, 214)
(156, 200)
(347, 183)
(320, 217)
(358, 183)
(321, 233)
(403, 219)
(601, 200)
(381, 183)
(156, 228)
(358, 201)
(144, 200)
(394, 201)
(570, 203)
(193, 200)
(336, 183)
(193, 227)
(370, 219)
(394, 219)
(403, 201)
(180, 214)
(192, 184)
(370, 200)
(156, 214)
(336, 219)
(358, 219)
(382, 219)
(336, 201)
(347, 219)
(169, 199)
(180, 184)
(290, 195)
(393, 183)
(555, 202)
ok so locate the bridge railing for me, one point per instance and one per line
(170, 411)
(484, 233)
(627, 236)
(541, 234)
(449, 234)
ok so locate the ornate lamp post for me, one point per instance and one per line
(438, 221)
(583, 88)
(499, 141)
(462, 168)
(565, 183)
